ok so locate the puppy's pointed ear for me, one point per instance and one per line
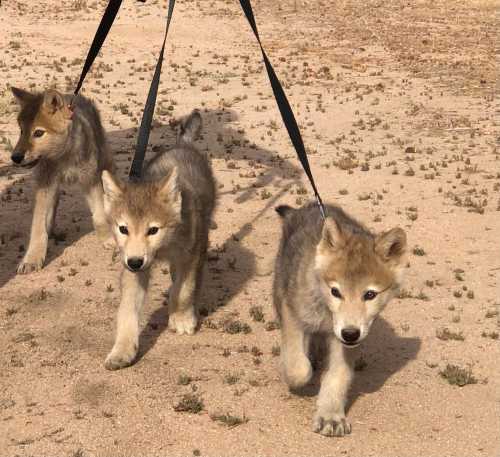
(190, 128)
(53, 101)
(391, 245)
(169, 190)
(22, 96)
(332, 237)
(284, 210)
(112, 188)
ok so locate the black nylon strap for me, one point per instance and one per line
(147, 116)
(145, 128)
(101, 34)
(284, 106)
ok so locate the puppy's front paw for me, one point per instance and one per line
(30, 264)
(121, 356)
(182, 323)
(331, 425)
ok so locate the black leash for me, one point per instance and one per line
(102, 32)
(284, 107)
(147, 116)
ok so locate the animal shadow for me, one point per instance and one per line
(379, 357)
(230, 265)
(228, 268)
(16, 207)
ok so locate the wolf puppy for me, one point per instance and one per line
(332, 277)
(168, 213)
(63, 146)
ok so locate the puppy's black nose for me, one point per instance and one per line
(17, 158)
(135, 263)
(350, 334)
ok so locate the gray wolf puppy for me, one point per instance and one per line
(167, 213)
(63, 146)
(332, 278)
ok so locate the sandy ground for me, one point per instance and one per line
(398, 104)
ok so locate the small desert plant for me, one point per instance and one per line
(417, 250)
(231, 379)
(446, 334)
(79, 5)
(184, 379)
(492, 335)
(491, 313)
(229, 420)
(256, 313)
(235, 326)
(190, 403)
(360, 364)
(272, 325)
(458, 376)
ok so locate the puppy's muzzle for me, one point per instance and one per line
(135, 263)
(17, 158)
(350, 336)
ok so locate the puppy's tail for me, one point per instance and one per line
(190, 128)
(284, 210)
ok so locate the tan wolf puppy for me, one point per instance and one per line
(167, 213)
(63, 146)
(332, 278)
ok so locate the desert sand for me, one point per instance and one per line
(398, 106)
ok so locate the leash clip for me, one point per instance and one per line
(321, 207)
(71, 108)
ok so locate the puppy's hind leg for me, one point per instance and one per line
(95, 200)
(187, 279)
(294, 348)
(330, 419)
(134, 287)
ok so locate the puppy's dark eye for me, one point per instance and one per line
(123, 229)
(38, 133)
(369, 295)
(336, 293)
(153, 231)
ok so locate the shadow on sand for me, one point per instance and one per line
(72, 221)
(220, 141)
(230, 264)
(383, 353)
